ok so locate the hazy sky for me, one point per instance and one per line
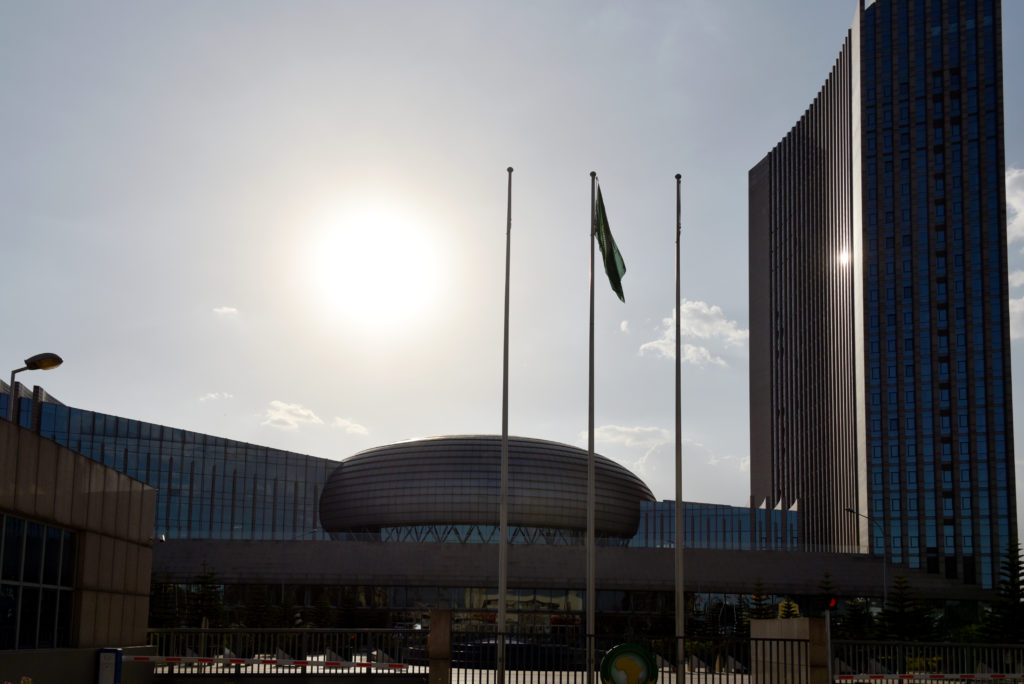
(284, 222)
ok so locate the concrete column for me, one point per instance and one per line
(793, 650)
(439, 646)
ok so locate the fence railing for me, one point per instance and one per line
(559, 657)
(273, 651)
(553, 657)
(905, 658)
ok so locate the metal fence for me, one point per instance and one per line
(559, 657)
(277, 651)
(908, 658)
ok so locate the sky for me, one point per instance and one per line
(285, 223)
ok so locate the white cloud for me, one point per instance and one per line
(1014, 204)
(1017, 318)
(211, 396)
(1016, 278)
(709, 322)
(349, 426)
(699, 356)
(624, 326)
(701, 321)
(650, 439)
(225, 311)
(645, 437)
(285, 416)
(707, 475)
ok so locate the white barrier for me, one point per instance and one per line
(924, 676)
(191, 660)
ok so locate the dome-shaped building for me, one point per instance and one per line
(448, 489)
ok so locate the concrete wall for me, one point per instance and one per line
(794, 650)
(476, 565)
(69, 666)
(113, 516)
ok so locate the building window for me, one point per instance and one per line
(36, 584)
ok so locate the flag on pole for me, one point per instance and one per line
(614, 266)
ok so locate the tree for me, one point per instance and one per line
(826, 599)
(163, 605)
(285, 614)
(257, 610)
(206, 604)
(323, 612)
(788, 609)
(904, 618)
(1005, 621)
(761, 605)
(856, 620)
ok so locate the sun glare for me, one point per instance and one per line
(377, 270)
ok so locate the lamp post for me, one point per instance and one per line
(885, 551)
(44, 361)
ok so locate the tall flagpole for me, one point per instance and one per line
(503, 508)
(591, 591)
(679, 536)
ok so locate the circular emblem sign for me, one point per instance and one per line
(628, 664)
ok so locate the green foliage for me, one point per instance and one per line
(257, 609)
(163, 605)
(924, 664)
(323, 612)
(826, 592)
(904, 618)
(1005, 621)
(959, 623)
(285, 614)
(206, 600)
(788, 609)
(855, 622)
(761, 605)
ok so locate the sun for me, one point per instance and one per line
(377, 269)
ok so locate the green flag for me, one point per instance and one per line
(614, 266)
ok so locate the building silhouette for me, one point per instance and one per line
(880, 362)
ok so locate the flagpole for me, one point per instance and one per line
(680, 532)
(590, 452)
(503, 508)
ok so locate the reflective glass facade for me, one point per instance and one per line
(449, 489)
(215, 488)
(708, 526)
(931, 372)
(207, 487)
(37, 580)
(803, 382)
(716, 526)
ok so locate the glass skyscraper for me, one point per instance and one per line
(880, 367)
(207, 487)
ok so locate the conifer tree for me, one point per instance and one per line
(856, 621)
(788, 609)
(826, 594)
(1005, 621)
(904, 618)
(323, 612)
(761, 606)
(206, 600)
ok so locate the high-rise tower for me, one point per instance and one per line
(880, 360)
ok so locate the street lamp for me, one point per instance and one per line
(885, 551)
(44, 361)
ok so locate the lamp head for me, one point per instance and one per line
(44, 361)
